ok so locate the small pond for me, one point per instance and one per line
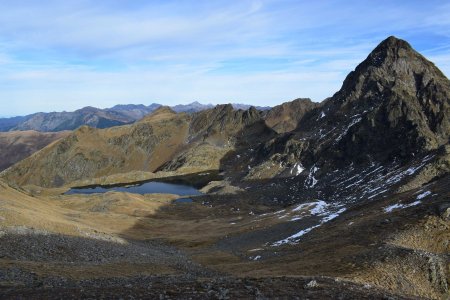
(187, 185)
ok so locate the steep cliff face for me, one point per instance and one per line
(221, 124)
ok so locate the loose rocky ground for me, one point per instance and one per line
(180, 287)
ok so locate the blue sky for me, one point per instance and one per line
(63, 55)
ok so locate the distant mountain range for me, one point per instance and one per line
(96, 117)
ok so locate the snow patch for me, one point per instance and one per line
(333, 215)
(256, 249)
(321, 208)
(352, 123)
(293, 237)
(297, 169)
(423, 195)
(390, 208)
(311, 181)
(419, 197)
(322, 115)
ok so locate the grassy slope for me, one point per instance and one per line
(17, 145)
(91, 153)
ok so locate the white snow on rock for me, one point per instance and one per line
(374, 181)
(423, 195)
(390, 208)
(292, 238)
(322, 115)
(297, 169)
(353, 122)
(400, 206)
(317, 206)
(311, 181)
(320, 208)
(333, 215)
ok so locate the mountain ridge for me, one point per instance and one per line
(368, 119)
(117, 115)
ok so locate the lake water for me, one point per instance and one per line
(152, 187)
(186, 185)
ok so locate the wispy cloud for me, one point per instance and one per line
(57, 55)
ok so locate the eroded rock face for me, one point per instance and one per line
(222, 124)
(285, 117)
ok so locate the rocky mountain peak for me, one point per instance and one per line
(392, 66)
(285, 117)
(391, 45)
(88, 109)
(162, 112)
(224, 108)
(394, 105)
(223, 120)
(163, 109)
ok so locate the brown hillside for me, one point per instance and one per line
(17, 145)
(90, 153)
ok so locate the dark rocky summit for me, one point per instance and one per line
(394, 105)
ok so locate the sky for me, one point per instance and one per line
(64, 55)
